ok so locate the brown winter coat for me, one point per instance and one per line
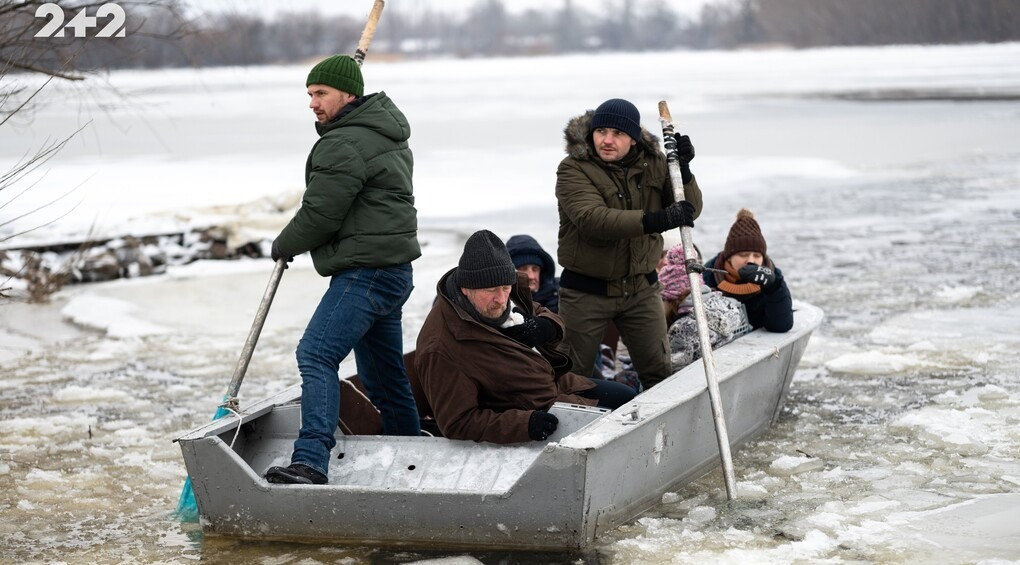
(482, 385)
(601, 204)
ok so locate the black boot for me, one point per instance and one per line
(296, 474)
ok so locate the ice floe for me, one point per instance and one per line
(113, 316)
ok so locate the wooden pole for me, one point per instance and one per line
(693, 272)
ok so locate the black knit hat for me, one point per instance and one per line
(618, 114)
(485, 262)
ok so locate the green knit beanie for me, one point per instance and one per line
(339, 71)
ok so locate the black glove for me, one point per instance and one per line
(685, 150)
(751, 273)
(276, 254)
(675, 215)
(541, 424)
(533, 332)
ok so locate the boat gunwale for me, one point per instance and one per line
(690, 377)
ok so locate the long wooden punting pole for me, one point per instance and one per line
(693, 267)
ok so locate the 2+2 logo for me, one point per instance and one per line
(82, 22)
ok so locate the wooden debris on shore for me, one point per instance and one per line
(39, 270)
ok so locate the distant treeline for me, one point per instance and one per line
(162, 37)
(814, 23)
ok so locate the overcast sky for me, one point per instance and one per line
(362, 7)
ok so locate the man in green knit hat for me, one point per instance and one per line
(357, 218)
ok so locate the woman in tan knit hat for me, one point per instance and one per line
(751, 277)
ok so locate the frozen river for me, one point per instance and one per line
(901, 219)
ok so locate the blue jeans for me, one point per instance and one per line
(361, 310)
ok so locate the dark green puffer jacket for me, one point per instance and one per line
(358, 207)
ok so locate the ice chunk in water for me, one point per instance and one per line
(952, 430)
(874, 363)
(794, 465)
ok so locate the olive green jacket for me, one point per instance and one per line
(358, 207)
(600, 206)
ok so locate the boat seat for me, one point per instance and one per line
(573, 417)
(358, 416)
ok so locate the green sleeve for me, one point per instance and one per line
(336, 174)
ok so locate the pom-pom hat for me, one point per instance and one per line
(745, 235)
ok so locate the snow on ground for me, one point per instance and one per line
(178, 140)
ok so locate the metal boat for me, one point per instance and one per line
(599, 470)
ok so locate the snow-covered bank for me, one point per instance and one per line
(218, 298)
(487, 133)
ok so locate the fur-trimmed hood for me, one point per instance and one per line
(578, 138)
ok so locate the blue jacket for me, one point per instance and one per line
(771, 309)
(524, 250)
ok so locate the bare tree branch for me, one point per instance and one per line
(51, 222)
(35, 69)
(21, 169)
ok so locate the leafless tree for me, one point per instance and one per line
(485, 30)
(30, 61)
(810, 23)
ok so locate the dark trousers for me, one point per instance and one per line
(639, 317)
(610, 394)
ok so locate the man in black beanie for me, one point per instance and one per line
(486, 356)
(615, 198)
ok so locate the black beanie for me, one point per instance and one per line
(618, 114)
(485, 262)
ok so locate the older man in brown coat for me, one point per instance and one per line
(486, 355)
